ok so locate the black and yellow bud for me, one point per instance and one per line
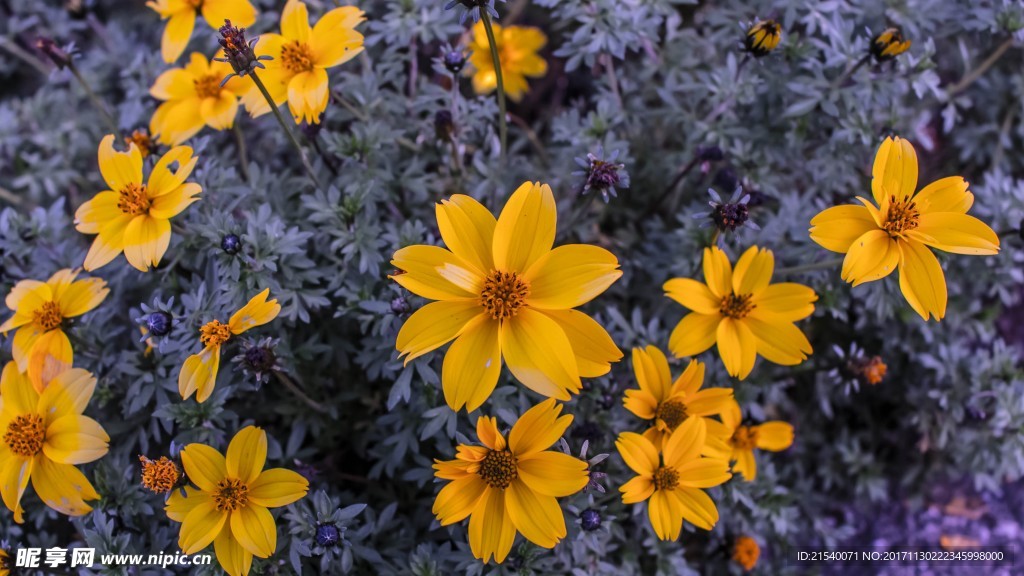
(763, 37)
(889, 44)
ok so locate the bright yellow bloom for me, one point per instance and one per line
(44, 437)
(301, 56)
(508, 486)
(742, 311)
(517, 52)
(135, 217)
(889, 44)
(181, 19)
(898, 232)
(504, 293)
(773, 436)
(670, 404)
(199, 373)
(763, 37)
(673, 481)
(229, 504)
(193, 97)
(745, 552)
(40, 347)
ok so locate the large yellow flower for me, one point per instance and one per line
(508, 486)
(229, 504)
(517, 53)
(773, 436)
(301, 56)
(44, 437)
(898, 232)
(41, 348)
(193, 97)
(742, 311)
(135, 217)
(199, 373)
(181, 19)
(673, 482)
(669, 404)
(506, 294)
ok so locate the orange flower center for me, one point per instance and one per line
(214, 333)
(665, 478)
(48, 316)
(874, 370)
(736, 306)
(504, 294)
(498, 468)
(902, 217)
(672, 413)
(297, 57)
(25, 435)
(745, 438)
(746, 552)
(231, 494)
(159, 476)
(133, 200)
(208, 86)
(141, 140)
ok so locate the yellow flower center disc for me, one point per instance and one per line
(902, 217)
(133, 200)
(25, 435)
(672, 413)
(231, 495)
(48, 316)
(214, 333)
(736, 306)
(504, 294)
(498, 468)
(208, 86)
(665, 478)
(296, 57)
(745, 438)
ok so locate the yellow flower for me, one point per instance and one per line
(745, 552)
(133, 217)
(742, 311)
(229, 504)
(773, 436)
(5, 563)
(517, 53)
(898, 232)
(670, 404)
(40, 347)
(44, 437)
(181, 19)
(199, 373)
(763, 37)
(889, 44)
(508, 486)
(673, 482)
(193, 97)
(301, 56)
(504, 293)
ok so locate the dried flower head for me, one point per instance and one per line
(160, 476)
(602, 175)
(239, 52)
(61, 57)
(258, 359)
(745, 552)
(728, 216)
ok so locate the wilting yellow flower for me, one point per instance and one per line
(670, 404)
(301, 56)
(41, 348)
(763, 37)
(229, 504)
(193, 97)
(742, 311)
(889, 44)
(897, 233)
(508, 486)
(44, 437)
(135, 217)
(181, 19)
(199, 373)
(517, 53)
(745, 552)
(672, 482)
(773, 436)
(506, 294)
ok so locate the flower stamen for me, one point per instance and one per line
(25, 435)
(48, 316)
(498, 469)
(745, 438)
(504, 294)
(207, 86)
(736, 306)
(133, 200)
(159, 476)
(666, 478)
(901, 218)
(296, 57)
(231, 494)
(672, 413)
(214, 333)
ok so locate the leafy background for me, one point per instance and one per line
(934, 450)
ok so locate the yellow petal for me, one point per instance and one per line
(458, 499)
(256, 312)
(14, 477)
(537, 517)
(693, 295)
(491, 532)
(538, 428)
(145, 241)
(526, 228)
(737, 347)
(50, 355)
(295, 21)
(732, 416)
(74, 439)
(177, 34)
(593, 347)
(233, 558)
(570, 276)
(247, 454)
(697, 507)
(219, 113)
(467, 228)
(539, 355)
(334, 40)
(784, 301)
(202, 525)
(552, 473)
(753, 271)
(704, 473)
(774, 436)
(637, 489)
(175, 84)
(488, 433)
(24, 340)
(957, 233)
(640, 402)
(62, 487)
(119, 169)
(108, 245)
(895, 170)
(176, 121)
(308, 93)
(666, 513)
(420, 265)
(82, 296)
(708, 402)
(240, 12)
(277, 487)
(204, 465)
(686, 442)
(745, 464)
(873, 256)
(453, 469)
(694, 334)
(780, 342)
(945, 195)
(253, 527)
(68, 393)
(838, 227)
(178, 506)
(717, 272)
(91, 215)
(171, 204)
(28, 295)
(690, 380)
(433, 326)
(651, 369)
(469, 280)
(922, 281)
(638, 453)
(199, 374)
(17, 396)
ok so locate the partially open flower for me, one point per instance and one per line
(602, 175)
(889, 44)
(238, 52)
(763, 37)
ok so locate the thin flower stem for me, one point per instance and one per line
(94, 98)
(848, 72)
(973, 75)
(294, 388)
(243, 155)
(822, 265)
(672, 186)
(502, 126)
(287, 130)
(24, 55)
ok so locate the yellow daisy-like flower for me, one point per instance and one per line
(898, 232)
(181, 19)
(670, 404)
(229, 504)
(517, 53)
(301, 56)
(193, 97)
(44, 436)
(132, 216)
(773, 436)
(40, 347)
(742, 311)
(763, 37)
(199, 373)
(508, 486)
(504, 293)
(673, 482)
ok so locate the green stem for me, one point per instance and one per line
(502, 126)
(294, 388)
(849, 72)
(287, 130)
(822, 265)
(94, 98)
(973, 75)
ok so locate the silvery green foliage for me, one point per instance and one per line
(654, 81)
